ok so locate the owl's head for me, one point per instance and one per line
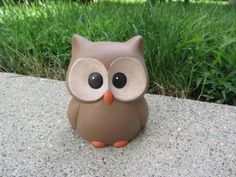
(107, 70)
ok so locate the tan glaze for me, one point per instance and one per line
(107, 120)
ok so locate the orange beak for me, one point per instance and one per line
(108, 97)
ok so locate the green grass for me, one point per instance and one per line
(190, 49)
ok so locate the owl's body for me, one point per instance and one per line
(107, 81)
(109, 124)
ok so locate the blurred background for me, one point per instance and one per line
(190, 46)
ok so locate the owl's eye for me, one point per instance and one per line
(119, 80)
(95, 80)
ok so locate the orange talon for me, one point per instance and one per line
(97, 144)
(120, 144)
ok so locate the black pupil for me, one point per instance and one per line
(95, 80)
(119, 80)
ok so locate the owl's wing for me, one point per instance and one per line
(142, 109)
(72, 112)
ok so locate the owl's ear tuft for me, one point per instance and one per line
(77, 43)
(137, 43)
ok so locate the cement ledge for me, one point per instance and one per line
(182, 137)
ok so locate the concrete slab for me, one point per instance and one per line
(182, 137)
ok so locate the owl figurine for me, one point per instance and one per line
(107, 81)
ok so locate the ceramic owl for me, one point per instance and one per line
(107, 81)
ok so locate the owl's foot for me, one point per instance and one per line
(120, 144)
(97, 144)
